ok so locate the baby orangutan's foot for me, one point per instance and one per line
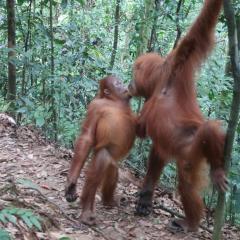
(88, 217)
(71, 193)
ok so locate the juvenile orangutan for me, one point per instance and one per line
(109, 130)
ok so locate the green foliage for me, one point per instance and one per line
(20, 2)
(64, 3)
(83, 38)
(27, 216)
(4, 235)
(4, 105)
(28, 183)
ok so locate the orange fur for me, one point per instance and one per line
(172, 118)
(109, 129)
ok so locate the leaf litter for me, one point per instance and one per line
(33, 175)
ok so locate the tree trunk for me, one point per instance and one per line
(11, 96)
(26, 45)
(54, 112)
(238, 34)
(115, 41)
(153, 37)
(51, 36)
(144, 33)
(234, 114)
(179, 31)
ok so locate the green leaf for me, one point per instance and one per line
(11, 218)
(27, 221)
(4, 235)
(28, 183)
(28, 213)
(21, 211)
(40, 121)
(59, 41)
(6, 107)
(13, 210)
(20, 2)
(82, 2)
(46, 2)
(64, 238)
(2, 218)
(36, 222)
(64, 3)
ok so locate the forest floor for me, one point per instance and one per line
(33, 175)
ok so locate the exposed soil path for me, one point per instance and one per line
(24, 154)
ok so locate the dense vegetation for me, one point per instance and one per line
(63, 47)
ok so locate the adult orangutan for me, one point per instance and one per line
(172, 118)
(109, 129)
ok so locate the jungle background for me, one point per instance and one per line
(62, 48)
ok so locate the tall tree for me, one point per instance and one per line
(234, 114)
(153, 37)
(26, 47)
(145, 31)
(116, 26)
(11, 96)
(51, 36)
(54, 112)
(179, 31)
(238, 31)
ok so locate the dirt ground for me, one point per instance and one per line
(33, 175)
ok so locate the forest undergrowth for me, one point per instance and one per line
(32, 178)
